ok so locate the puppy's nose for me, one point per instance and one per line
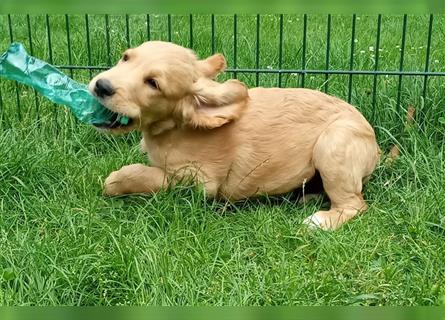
(103, 88)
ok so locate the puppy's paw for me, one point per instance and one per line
(318, 220)
(112, 185)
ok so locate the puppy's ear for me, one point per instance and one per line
(214, 104)
(212, 66)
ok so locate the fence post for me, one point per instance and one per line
(351, 59)
(376, 65)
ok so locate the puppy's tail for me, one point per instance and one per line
(394, 153)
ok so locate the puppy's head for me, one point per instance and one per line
(160, 82)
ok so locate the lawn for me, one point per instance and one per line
(63, 243)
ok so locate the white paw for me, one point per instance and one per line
(318, 221)
(312, 222)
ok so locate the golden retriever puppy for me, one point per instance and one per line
(236, 142)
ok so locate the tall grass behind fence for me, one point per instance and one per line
(381, 64)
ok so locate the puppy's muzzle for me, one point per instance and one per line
(103, 88)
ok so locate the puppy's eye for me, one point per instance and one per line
(125, 57)
(152, 83)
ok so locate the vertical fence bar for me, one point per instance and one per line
(17, 95)
(107, 39)
(51, 61)
(235, 43)
(351, 59)
(68, 41)
(48, 34)
(303, 60)
(427, 59)
(402, 56)
(376, 64)
(31, 51)
(328, 53)
(70, 57)
(280, 52)
(213, 32)
(147, 21)
(257, 52)
(127, 30)
(87, 30)
(191, 30)
(169, 27)
(30, 42)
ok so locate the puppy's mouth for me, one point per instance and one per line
(111, 118)
(115, 121)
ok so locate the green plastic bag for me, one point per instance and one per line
(16, 64)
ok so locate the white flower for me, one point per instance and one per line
(380, 50)
(362, 51)
(269, 67)
(436, 61)
(358, 18)
(397, 46)
(355, 40)
(371, 48)
(421, 47)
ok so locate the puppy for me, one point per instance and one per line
(236, 142)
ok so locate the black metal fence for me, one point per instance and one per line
(382, 64)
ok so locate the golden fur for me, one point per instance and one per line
(237, 142)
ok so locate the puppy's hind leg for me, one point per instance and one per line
(344, 155)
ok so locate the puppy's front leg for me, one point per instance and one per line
(135, 178)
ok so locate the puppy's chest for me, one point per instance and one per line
(166, 154)
(157, 154)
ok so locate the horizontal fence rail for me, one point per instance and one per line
(296, 71)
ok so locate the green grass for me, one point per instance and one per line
(62, 242)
